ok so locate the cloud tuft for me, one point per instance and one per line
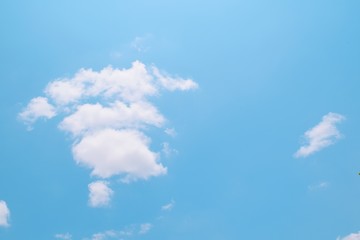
(4, 214)
(352, 236)
(100, 194)
(322, 135)
(38, 107)
(63, 236)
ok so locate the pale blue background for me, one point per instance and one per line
(267, 70)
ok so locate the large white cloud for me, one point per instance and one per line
(99, 194)
(352, 236)
(322, 135)
(4, 214)
(108, 113)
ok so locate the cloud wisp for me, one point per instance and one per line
(319, 186)
(107, 113)
(4, 214)
(322, 135)
(127, 232)
(169, 206)
(352, 236)
(63, 236)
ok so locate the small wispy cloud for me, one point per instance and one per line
(322, 135)
(63, 236)
(4, 214)
(318, 186)
(125, 233)
(169, 206)
(167, 150)
(352, 236)
(100, 194)
(171, 132)
(141, 44)
(145, 228)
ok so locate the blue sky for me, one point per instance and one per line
(217, 120)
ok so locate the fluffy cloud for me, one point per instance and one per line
(4, 214)
(108, 113)
(111, 152)
(38, 107)
(99, 194)
(90, 117)
(352, 236)
(128, 85)
(322, 135)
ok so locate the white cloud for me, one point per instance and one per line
(38, 107)
(169, 206)
(63, 236)
(352, 236)
(145, 228)
(108, 113)
(172, 84)
(322, 135)
(100, 194)
(129, 85)
(111, 152)
(92, 117)
(4, 214)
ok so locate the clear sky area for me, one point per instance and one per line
(179, 120)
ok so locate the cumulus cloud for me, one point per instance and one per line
(92, 117)
(4, 214)
(322, 135)
(112, 152)
(38, 107)
(63, 236)
(99, 194)
(108, 113)
(352, 236)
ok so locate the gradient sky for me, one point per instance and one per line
(248, 127)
